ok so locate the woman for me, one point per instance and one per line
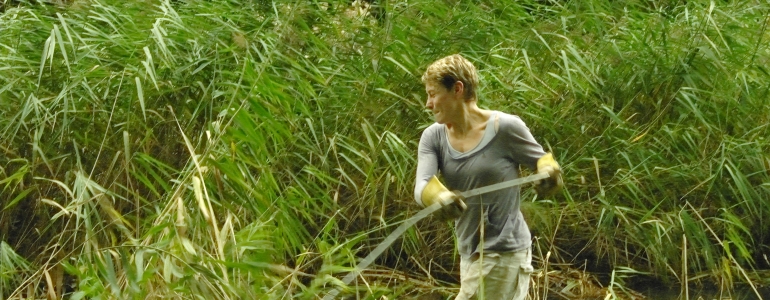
(472, 148)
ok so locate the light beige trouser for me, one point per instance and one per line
(498, 276)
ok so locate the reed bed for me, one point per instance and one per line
(231, 149)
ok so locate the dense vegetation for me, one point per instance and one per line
(232, 149)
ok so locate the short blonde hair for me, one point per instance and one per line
(451, 69)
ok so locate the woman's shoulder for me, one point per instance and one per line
(509, 120)
(432, 131)
(433, 127)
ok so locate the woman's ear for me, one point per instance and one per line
(459, 88)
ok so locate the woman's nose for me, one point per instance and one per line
(428, 103)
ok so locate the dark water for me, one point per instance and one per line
(701, 293)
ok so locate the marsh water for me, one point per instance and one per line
(705, 293)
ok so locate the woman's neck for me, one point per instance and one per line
(472, 118)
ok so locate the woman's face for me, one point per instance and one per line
(445, 103)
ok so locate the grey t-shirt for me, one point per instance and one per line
(495, 159)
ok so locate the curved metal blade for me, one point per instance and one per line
(385, 244)
(504, 184)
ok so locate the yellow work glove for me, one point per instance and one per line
(547, 187)
(453, 204)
